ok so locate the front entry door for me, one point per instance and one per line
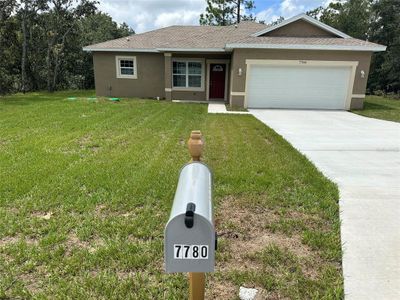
(217, 81)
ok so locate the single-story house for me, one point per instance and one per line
(298, 63)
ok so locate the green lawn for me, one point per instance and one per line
(381, 108)
(86, 187)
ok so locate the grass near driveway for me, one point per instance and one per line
(381, 108)
(86, 187)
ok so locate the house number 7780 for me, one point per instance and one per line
(190, 251)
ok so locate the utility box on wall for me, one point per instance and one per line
(190, 239)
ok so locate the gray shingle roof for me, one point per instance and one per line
(220, 38)
(184, 37)
(306, 41)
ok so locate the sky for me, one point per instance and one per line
(145, 15)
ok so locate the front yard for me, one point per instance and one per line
(381, 108)
(86, 188)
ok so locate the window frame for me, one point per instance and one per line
(187, 87)
(118, 67)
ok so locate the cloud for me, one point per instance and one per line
(268, 15)
(144, 15)
(289, 8)
(171, 18)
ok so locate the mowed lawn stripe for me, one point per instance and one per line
(87, 187)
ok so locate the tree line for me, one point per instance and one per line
(41, 40)
(376, 21)
(41, 43)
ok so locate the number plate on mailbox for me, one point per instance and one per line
(190, 251)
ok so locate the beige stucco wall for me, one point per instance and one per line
(300, 28)
(150, 75)
(154, 76)
(239, 57)
(154, 72)
(197, 95)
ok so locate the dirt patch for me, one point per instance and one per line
(42, 215)
(9, 240)
(31, 282)
(86, 143)
(91, 245)
(221, 290)
(267, 141)
(226, 290)
(103, 211)
(182, 142)
(3, 142)
(243, 232)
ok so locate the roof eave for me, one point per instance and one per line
(306, 47)
(154, 50)
(192, 50)
(94, 49)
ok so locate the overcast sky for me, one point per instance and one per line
(144, 15)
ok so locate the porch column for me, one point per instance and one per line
(168, 75)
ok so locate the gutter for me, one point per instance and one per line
(305, 47)
(154, 50)
(231, 47)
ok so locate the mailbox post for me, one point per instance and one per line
(190, 239)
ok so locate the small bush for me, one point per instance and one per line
(379, 93)
(393, 95)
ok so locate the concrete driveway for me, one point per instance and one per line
(362, 155)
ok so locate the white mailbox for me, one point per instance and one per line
(190, 240)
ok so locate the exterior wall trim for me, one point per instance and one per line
(168, 90)
(305, 47)
(190, 49)
(307, 19)
(88, 49)
(238, 93)
(155, 50)
(358, 95)
(304, 63)
(217, 61)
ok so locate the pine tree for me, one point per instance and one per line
(226, 12)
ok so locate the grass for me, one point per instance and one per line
(86, 188)
(381, 108)
(235, 108)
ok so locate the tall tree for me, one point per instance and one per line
(377, 21)
(8, 46)
(349, 16)
(41, 46)
(226, 12)
(385, 29)
(27, 12)
(60, 23)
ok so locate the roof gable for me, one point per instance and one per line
(312, 26)
(300, 28)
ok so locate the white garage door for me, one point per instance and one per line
(312, 87)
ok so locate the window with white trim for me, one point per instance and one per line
(126, 67)
(188, 74)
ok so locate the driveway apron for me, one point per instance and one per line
(362, 155)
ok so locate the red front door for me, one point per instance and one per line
(217, 81)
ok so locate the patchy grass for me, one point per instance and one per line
(235, 108)
(86, 187)
(381, 108)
